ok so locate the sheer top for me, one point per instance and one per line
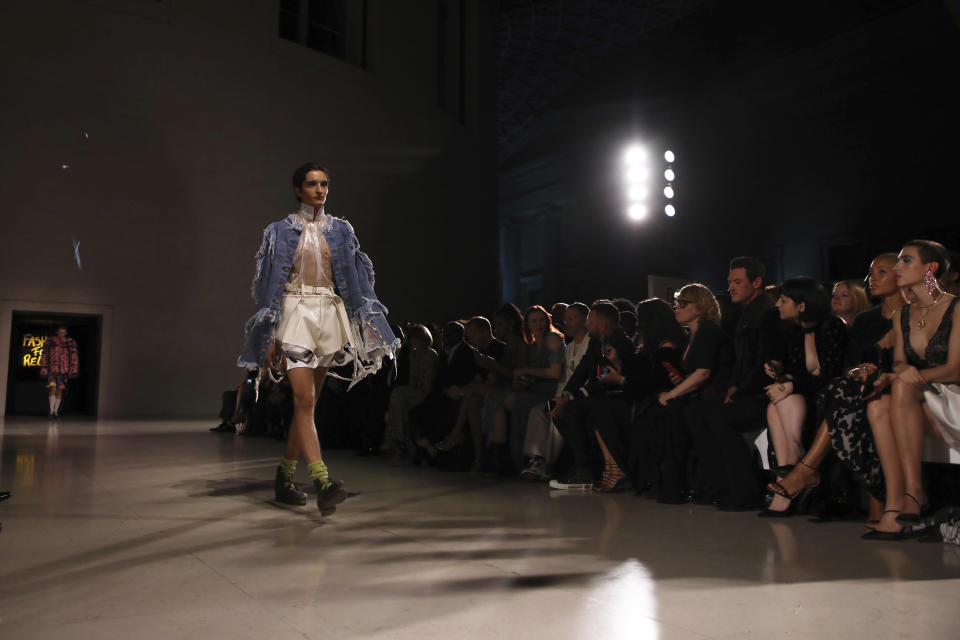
(935, 355)
(312, 264)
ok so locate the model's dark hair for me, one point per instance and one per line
(931, 251)
(754, 268)
(580, 307)
(511, 314)
(300, 173)
(656, 324)
(812, 294)
(606, 310)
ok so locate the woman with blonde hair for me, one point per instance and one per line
(706, 365)
(848, 300)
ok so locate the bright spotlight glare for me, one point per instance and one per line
(668, 192)
(669, 175)
(668, 156)
(670, 210)
(635, 155)
(638, 175)
(637, 211)
(638, 193)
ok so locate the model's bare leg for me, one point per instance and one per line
(306, 385)
(791, 412)
(909, 424)
(881, 413)
(805, 473)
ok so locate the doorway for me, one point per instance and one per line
(26, 388)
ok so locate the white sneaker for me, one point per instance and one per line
(577, 479)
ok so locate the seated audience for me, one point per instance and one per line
(587, 386)
(508, 326)
(950, 280)
(706, 367)
(855, 423)
(533, 384)
(814, 347)
(543, 441)
(727, 466)
(848, 300)
(926, 359)
(479, 334)
(422, 364)
(557, 315)
(642, 377)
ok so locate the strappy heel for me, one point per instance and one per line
(798, 500)
(914, 518)
(611, 480)
(904, 534)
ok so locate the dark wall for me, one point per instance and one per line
(797, 131)
(181, 123)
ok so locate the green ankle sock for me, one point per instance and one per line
(289, 467)
(318, 471)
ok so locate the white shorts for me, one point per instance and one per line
(314, 328)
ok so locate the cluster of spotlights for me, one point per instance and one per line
(639, 180)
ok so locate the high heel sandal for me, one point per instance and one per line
(914, 518)
(798, 500)
(904, 534)
(612, 479)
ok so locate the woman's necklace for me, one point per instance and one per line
(922, 322)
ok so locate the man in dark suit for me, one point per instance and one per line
(723, 428)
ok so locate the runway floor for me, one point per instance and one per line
(160, 529)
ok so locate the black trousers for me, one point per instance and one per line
(577, 422)
(610, 416)
(661, 449)
(726, 463)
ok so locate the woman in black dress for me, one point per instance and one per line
(849, 408)
(815, 343)
(926, 351)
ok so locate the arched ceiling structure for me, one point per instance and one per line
(546, 45)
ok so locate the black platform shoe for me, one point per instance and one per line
(286, 491)
(330, 496)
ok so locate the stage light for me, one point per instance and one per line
(637, 211)
(668, 192)
(638, 193)
(636, 155)
(670, 175)
(638, 175)
(668, 156)
(670, 210)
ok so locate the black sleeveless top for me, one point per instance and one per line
(935, 354)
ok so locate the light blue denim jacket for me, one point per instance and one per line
(353, 277)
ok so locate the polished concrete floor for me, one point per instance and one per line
(139, 529)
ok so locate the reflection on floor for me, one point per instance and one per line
(162, 530)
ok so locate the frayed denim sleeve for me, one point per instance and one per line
(264, 259)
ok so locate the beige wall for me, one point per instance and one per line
(197, 113)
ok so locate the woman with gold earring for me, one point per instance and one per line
(926, 351)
